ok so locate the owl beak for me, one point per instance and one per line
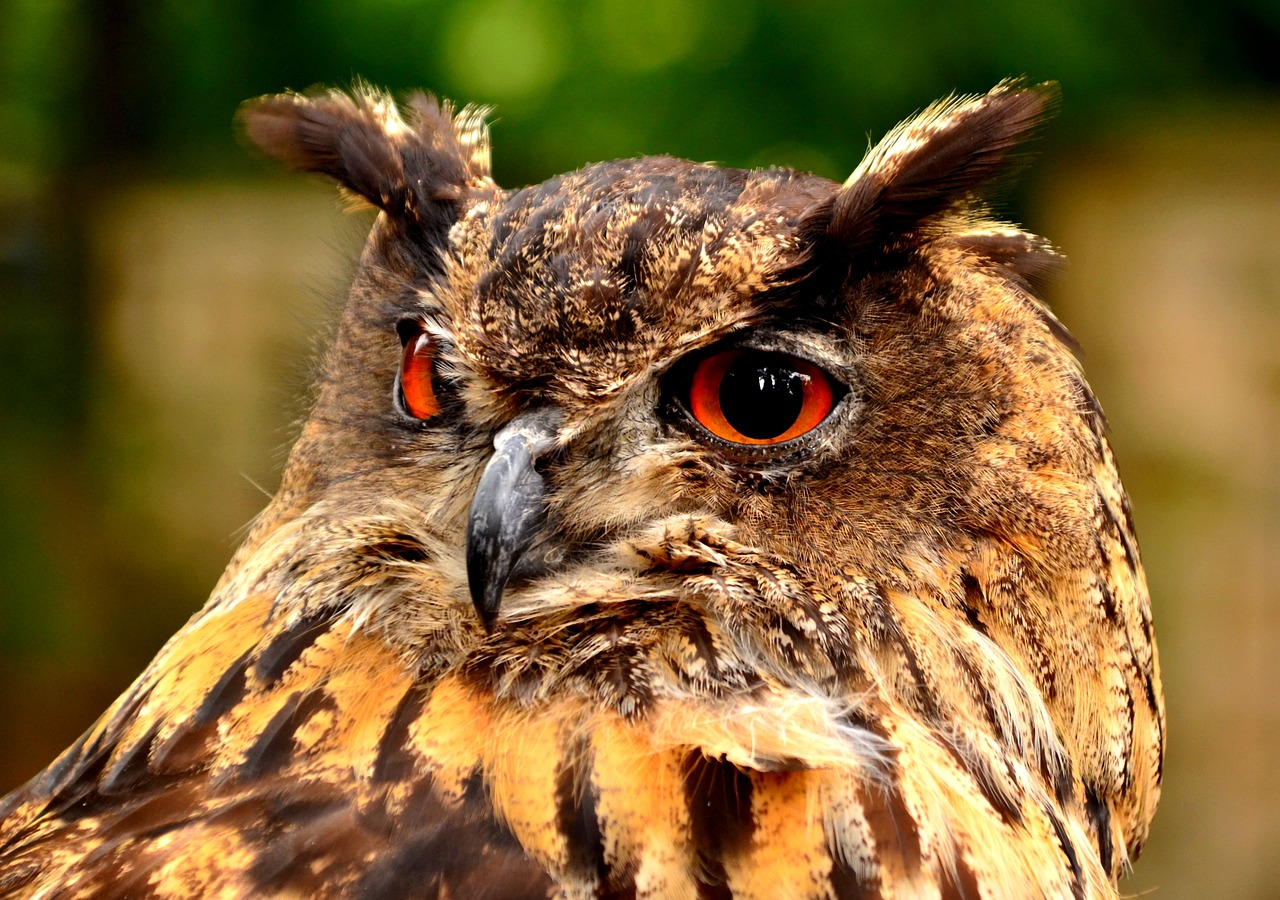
(507, 511)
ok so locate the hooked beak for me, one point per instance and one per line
(507, 511)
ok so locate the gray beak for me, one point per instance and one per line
(508, 510)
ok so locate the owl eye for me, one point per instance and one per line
(417, 374)
(760, 398)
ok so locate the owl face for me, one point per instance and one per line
(657, 530)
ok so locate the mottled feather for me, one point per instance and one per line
(907, 654)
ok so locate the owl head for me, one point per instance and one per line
(840, 374)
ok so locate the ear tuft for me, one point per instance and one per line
(456, 142)
(1025, 257)
(362, 142)
(932, 163)
(351, 139)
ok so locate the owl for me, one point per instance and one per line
(659, 531)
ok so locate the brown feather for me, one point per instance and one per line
(908, 653)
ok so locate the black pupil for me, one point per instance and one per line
(761, 395)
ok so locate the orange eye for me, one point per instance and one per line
(417, 374)
(754, 397)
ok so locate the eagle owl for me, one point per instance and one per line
(662, 530)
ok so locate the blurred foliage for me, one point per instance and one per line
(98, 97)
(153, 82)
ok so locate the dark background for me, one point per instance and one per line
(163, 293)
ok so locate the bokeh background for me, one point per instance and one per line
(163, 293)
